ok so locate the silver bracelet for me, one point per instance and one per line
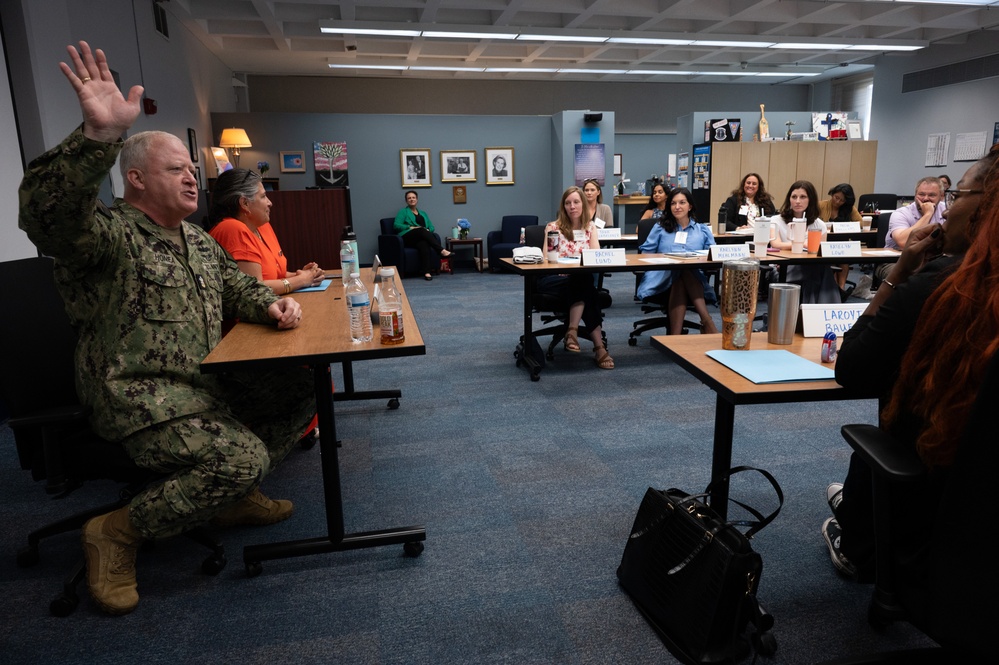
(885, 281)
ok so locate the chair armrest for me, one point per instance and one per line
(883, 453)
(54, 416)
(493, 237)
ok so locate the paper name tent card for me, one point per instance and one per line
(772, 366)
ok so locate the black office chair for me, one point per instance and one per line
(554, 315)
(868, 203)
(49, 424)
(655, 303)
(956, 572)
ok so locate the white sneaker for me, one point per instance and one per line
(834, 496)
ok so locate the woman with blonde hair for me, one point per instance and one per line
(577, 232)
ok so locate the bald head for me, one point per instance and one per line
(159, 177)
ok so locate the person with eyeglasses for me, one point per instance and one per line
(921, 348)
(241, 218)
(926, 209)
(146, 293)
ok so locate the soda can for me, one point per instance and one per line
(829, 347)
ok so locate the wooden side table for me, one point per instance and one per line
(475, 243)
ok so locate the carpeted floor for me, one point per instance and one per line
(528, 491)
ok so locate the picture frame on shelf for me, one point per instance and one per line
(292, 161)
(854, 130)
(499, 166)
(415, 167)
(458, 166)
(221, 157)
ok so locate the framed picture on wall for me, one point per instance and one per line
(457, 166)
(618, 163)
(221, 157)
(415, 165)
(292, 161)
(192, 144)
(499, 166)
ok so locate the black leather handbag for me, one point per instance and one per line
(694, 576)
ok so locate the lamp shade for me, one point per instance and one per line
(235, 138)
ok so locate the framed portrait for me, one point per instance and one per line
(457, 166)
(192, 144)
(499, 166)
(221, 157)
(415, 165)
(292, 161)
(618, 163)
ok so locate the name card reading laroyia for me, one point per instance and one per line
(729, 252)
(847, 248)
(604, 257)
(817, 320)
(610, 233)
(846, 227)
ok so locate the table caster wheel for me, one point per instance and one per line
(632, 341)
(27, 557)
(63, 605)
(213, 565)
(535, 376)
(393, 403)
(253, 568)
(413, 549)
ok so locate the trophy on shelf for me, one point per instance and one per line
(764, 125)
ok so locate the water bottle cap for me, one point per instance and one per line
(386, 272)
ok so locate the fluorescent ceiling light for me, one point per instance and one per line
(787, 74)
(650, 41)
(400, 68)
(810, 47)
(417, 68)
(518, 70)
(366, 31)
(976, 3)
(711, 42)
(881, 47)
(659, 72)
(437, 34)
(560, 38)
(592, 71)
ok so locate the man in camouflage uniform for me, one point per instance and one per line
(147, 293)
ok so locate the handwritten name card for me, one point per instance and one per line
(845, 249)
(729, 252)
(604, 257)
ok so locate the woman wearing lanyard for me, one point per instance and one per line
(677, 231)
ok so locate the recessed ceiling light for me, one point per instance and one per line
(437, 34)
(366, 31)
(560, 38)
(712, 42)
(650, 41)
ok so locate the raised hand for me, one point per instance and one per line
(106, 112)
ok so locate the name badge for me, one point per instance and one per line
(611, 233)
(743, 210)
(604, 257)
(680, 238)
(729, 252)
(845, 249)
(599, 223)
(578, 235)
(846, 227)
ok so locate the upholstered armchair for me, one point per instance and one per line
(500, 243)
(392, 252)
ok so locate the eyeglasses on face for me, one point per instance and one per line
(952, 195)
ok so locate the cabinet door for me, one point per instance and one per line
(726, 172)
(838, 167)
(783, 169)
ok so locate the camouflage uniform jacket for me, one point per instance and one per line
(145, 313)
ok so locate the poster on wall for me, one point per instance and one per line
(824, 123)
(589, 163)
(330, 161)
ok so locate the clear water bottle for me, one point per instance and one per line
(390, 309)
(351, 237)
(348, 260)
(359, 308)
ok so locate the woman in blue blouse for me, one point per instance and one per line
(677, 232)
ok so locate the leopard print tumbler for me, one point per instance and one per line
(740, 282)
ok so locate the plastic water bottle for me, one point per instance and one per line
(348, 260)
(351, 237)
(359, 308)
(390, 309)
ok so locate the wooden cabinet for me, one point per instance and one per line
(309, 225)
(780, 163)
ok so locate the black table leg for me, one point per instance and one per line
(527, 342)
(721, 456)
(336, 540)
(348, 394)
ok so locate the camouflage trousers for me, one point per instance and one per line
(212, 459)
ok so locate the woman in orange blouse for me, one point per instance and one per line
(241, 214)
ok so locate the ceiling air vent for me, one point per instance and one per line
(959, 72)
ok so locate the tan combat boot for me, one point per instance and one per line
(110, 543)
(255, 509)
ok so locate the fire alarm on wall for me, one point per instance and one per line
(149, 106)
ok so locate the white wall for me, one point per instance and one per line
(12, 245)
(901, 123)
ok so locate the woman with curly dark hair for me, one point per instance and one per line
(748, 202)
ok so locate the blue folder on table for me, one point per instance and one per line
(321, 287)
(772, 366)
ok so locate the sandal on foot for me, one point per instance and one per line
(602, 358)
(571, 342)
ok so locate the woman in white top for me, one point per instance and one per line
(595, 203)
(817, 282)
(577, 289)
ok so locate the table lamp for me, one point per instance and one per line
(235, 138)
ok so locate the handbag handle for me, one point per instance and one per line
(760, 522)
